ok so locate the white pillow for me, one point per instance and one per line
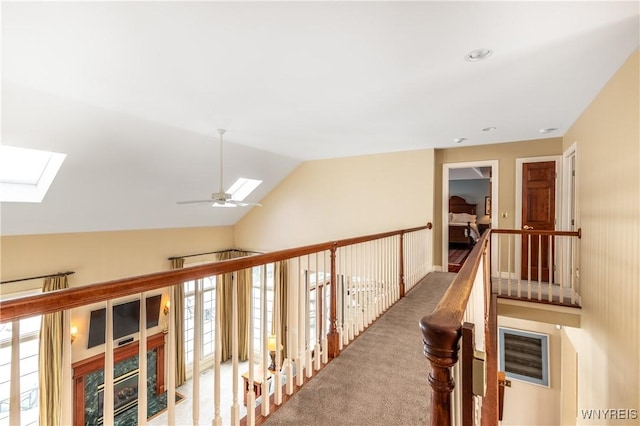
(463, 218)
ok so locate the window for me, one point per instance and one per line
(208, 306)
(315, 290)
(26, 174)
(257, 304)
(524, 355)
(29, 348)
(242, 188)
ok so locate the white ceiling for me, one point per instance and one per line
(132, 92)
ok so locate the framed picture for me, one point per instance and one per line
(487, 205)
(524, 355)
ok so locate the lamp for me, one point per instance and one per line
(166, 307)
(271, 347)
(74, 333)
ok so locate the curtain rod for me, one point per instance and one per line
(41, 276)
(213, 252)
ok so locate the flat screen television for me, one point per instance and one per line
(126, 320)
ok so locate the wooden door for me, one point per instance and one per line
(538, 213)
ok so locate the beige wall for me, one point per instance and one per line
(340, 198)
(526, 403)
(607, 136)
(506, 154)
(101, 256)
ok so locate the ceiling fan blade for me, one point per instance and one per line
(243, 203)
(194, 201)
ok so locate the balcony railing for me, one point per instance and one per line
(324, 295)
(538, 266)
(464, 318)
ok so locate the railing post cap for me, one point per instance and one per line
(441, 341)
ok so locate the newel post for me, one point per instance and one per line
(332, 336)
(441, 344)
(401, 264)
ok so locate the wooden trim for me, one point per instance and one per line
(96, 362)
(441, 332)
(577, 233)
(466, 379)
(401, 266)
(490, 401)
(75, 297)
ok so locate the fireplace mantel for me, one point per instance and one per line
(87, 366)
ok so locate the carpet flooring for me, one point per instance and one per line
(378, 379)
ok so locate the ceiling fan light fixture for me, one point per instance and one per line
(478, 55)
(236, 194)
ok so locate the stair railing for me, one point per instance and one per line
(464, 311)
(334, 291)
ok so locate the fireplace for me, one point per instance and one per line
(88, 376)
(125, 394)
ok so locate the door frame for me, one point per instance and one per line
(445, 203)
(518, 213)
(569, 205)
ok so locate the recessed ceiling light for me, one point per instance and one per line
(548, 130)
(478, 55)
(489, 129)
(459, 140)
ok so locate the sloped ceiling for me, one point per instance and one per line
(133, 92)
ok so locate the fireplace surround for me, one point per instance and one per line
(88, 378)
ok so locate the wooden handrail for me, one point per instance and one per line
(577, 233)
(53, 301)
(441, 332)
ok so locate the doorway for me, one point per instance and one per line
(537, 195)
(447, 171)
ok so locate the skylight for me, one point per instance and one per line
(26, 174)
(242, 188)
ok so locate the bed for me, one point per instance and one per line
(463, 229)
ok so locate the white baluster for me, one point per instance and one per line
(235, 407)
(198, 301)
(301, 327)
(14, 401)
(277, 330)
(171, 360)
(498, 239)
(217, 418)
(319, 316)
(307, 318)
(539, 267)
(142, 362)
(251, 395)
(327, 308)
(288, 362)
(107, 408)
(550, 265)
(264, 406)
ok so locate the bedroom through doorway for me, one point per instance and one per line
(468, 200)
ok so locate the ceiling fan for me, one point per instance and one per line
(221, 198)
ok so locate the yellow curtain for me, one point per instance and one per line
(50, 358)
(224, 296)
(282, 282)
(178, 307)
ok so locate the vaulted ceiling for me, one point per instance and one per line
(133, 92)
